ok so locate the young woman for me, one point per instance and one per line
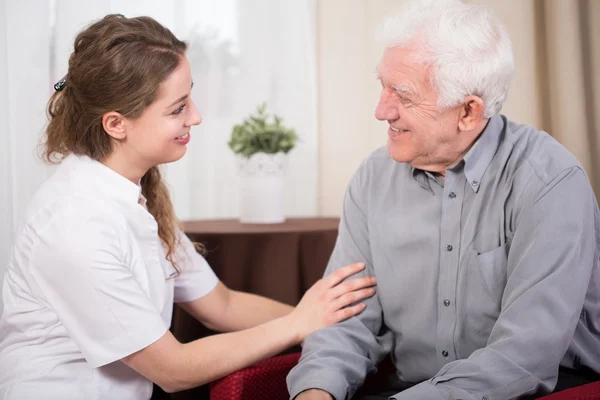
(99, 259)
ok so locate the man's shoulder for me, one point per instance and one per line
(535, 150)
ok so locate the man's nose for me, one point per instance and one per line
(386, 108)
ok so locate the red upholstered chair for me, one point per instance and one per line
(261, 381)
(265, 380)
(591, 391)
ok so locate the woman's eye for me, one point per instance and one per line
(179, 110)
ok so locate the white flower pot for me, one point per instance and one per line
(262, 188)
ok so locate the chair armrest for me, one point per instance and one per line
(590, 391)
(263, 380)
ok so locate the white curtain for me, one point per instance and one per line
(242, 54)
(245, 53)
(24, 90)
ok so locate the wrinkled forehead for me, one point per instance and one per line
(404, 69)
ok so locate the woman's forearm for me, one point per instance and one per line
(175, 366)
(213, 357)
(246, 310)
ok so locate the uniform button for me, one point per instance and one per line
(474, 183)
(485, 398)
(452, 195)
(445, 353)
(449, 247)
(447, 303)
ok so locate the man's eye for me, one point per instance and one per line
(402, 97)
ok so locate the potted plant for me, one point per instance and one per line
(261, 143)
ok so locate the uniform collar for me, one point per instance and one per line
(109, 182)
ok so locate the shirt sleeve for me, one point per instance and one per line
(80, 267)
(550, 262)
(197, 277)
(338, 358)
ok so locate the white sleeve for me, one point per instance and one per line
(81, 270)
(197, 277)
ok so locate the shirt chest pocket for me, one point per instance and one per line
(485, 283)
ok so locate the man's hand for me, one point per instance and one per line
(314, 394)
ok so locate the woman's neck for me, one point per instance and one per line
(125, 166)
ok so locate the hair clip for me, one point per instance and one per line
(58, 86)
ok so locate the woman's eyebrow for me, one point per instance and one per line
(185, 96)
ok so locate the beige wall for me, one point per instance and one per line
(348, 90)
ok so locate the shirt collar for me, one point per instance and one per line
(478, 158)
(422, 179)
(110, 183)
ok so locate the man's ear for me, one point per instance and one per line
(114, 124)
(471, 113)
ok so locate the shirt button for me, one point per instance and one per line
(445, 353)
(447, 303)
(452, 195)
(449, 247)
(485, 398)
(475, 183)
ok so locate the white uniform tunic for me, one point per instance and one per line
(86, 285)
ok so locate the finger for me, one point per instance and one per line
(351, 285)
(350, 298)
(343, 273)
(348, 312)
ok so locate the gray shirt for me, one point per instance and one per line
(481, 277)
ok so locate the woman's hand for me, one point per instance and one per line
(328, 301)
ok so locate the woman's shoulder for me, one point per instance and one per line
(60, 205)
(72, 218)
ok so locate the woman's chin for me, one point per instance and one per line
(175, 155)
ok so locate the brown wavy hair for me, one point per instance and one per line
(118, 64)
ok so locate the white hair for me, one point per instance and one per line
(469, 50)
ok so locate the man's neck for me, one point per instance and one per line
(470, 139)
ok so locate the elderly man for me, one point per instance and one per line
(483, 234)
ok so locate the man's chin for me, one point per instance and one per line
(398, 154)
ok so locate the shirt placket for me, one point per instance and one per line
(454, 191)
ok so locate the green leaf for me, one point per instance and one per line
(257, 134)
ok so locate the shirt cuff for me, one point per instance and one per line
(329, 382)
(422, 391)
(184, 294)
